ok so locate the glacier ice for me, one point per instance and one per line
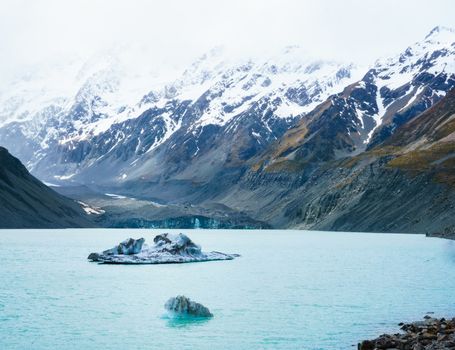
(183, 306)
(167, 249)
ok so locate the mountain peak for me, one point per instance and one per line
(441, 33)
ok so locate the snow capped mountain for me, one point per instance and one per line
(424, 71)
(115, 91)
(368, 111)
(398, 88)
(235, 86)
(83, 122)
(411, 82)
(139, 125)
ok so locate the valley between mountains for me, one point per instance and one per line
(288, 141)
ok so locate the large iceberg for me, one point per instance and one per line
(167, 249)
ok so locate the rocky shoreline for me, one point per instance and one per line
(429, 334)
(442, 235)
(447, 233)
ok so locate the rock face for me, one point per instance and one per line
(430, 334)
(406, 184)
(184, 306)
(167, 249)
(25, 202)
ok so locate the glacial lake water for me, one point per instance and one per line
(288, 290)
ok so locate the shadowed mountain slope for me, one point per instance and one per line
(25, 202)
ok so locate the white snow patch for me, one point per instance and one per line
(170, 128)
(63, 177)
(158, 205)
(359, 114)
(413, 98)
(50, 184)
(91, 210)
(289, 109)
(116, 196)
(377, 117)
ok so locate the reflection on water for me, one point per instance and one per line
(180, 321)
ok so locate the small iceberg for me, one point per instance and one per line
(167, 249)
(183, 306)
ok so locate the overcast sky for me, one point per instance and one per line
(350, 30)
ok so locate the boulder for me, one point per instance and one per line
(429, 334)
(366, 345)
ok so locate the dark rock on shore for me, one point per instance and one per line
(429, 334)
(448, 233)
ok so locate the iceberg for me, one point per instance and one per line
(167, 249)
(183, 306)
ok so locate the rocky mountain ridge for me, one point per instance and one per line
(288, 142)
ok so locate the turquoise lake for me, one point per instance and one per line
(288, 290)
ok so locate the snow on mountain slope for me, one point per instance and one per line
(411, 70)
(219, 111)
(114, 92)
(398, 88)
(67, 123)
(104, 89)
(235, 85)
(367, 112)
